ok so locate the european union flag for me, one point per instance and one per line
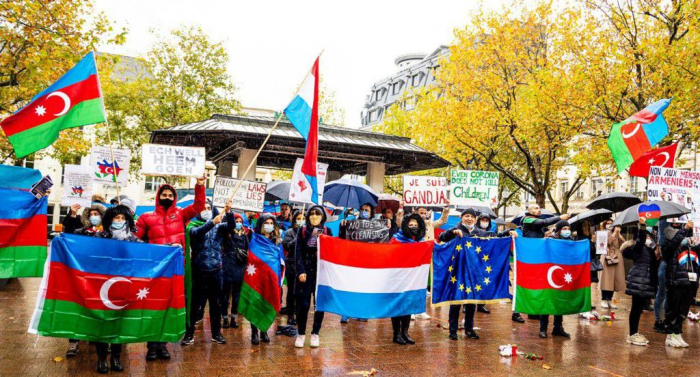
(471, 270)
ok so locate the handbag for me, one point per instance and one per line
(596, 265)
(612, 260)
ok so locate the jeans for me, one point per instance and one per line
(291, 297)
(468, 317)
(660, 300)
(207, 287)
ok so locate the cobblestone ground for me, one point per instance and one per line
(595, 348)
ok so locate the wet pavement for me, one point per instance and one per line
(595, 348)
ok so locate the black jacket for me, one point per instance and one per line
(71, 224)
(306, 256)
(505, 233)
(449, 235)
(642, 280)
(533, 226)
(677, 275)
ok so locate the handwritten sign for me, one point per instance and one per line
(678, 186)
(105, 171)
(249, 197)
(375, 231)
(172, 160)
(424, 191)
(601, 242)
(77, 185)
(474, 187)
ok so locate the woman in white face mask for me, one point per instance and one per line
(266, 226)
(289, 245)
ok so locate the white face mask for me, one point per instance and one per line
(649, 243)
(485, 224)
(268, 228)
(206, 215)
(565, 233)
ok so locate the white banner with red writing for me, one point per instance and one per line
(425, 191)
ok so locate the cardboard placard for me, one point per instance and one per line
(249, 197)
(172, 160)
(678, 186)
(601, 242)
(424, 191)
(77, 185)
(375, 231)
(300, 190)
(474, 187)
(103, 169)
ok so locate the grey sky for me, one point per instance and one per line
(272, 44)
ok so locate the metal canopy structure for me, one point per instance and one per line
(345, 150)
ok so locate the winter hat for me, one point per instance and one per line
(129, 203)
(468, 211)
(560, 225)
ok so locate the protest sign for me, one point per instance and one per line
(104, 171)
(601, 242)
(249, 197)
(425, 191)
(300, 190)
(172, 160)
(474, 188)
(77, 185)
(678, 186)
(375, 231)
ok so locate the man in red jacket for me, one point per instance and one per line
(166, 226)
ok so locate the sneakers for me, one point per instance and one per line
(612, 305)
(604, 305)
(315, 341)
(344, 319)
(637, 340)
(218, 339)
(187, 340)
(413, 317)
(72, 349)
(682, 342)
(299, 342)
(672, 341)
(423, 316)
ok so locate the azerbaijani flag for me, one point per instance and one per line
(111, 291)
(552, 276)
(634, 136)
(303, 113)
(74, 100)
(262, 282)
(23, 224)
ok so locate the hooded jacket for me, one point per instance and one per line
(306, 256)
(677, 274)
(404, 235)
(289, 241)
(505, 233)
(166, 226)
(81, 224)
(109, 216)
(533, 226)
(642, 280)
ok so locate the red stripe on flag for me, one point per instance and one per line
(308, 167)
(635, 139)
(538, 276)
(374, 255)
(263, 280)
(84, 289)
(23, 232)
(50, 105)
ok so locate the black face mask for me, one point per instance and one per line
(413, 231)
(166, 203)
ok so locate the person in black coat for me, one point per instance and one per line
(289, 243)
(306, 253)
(681, 280)
(388, 214)
(642, 278)
(562, 231)
(534, 224)
(235, 256)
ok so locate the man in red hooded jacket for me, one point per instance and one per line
(166, 226)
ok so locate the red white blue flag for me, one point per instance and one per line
(302, 112)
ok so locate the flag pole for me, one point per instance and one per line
(247, 170)
(109, 137)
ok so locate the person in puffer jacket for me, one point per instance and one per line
(681, 280)
(235, 243)
(166, 226)
(289, 244)
(642, 279)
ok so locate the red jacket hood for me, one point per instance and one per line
(159, 207)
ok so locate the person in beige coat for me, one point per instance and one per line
(613, 276)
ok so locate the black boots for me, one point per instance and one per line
(234, 324)
(225, 324)
(102, 367)
(163, 353)
(404, 331)
(254, 336)
(151, 353)
(517, 318)
(264, 337)
(116, 363)
(559, 331)
(398, 339)
(471, 334)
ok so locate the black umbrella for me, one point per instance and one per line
(278, 190)
(481, 210)
(614, 201)
(594, 217)
(518, 220)
(668, 210)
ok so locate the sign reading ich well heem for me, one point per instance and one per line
(172, 160)
(249, 197)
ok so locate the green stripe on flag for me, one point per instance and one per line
(65, 319)
(255, 309)
(552, 301)
(619, 150)
(22, 261)
(39, 137)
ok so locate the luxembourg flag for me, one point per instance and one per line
(685, 256)
(303, 113)
(363, 280)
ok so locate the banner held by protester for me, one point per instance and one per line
(424, 191)
(249, 197)
(172, 160)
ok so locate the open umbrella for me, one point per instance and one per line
(349, 193)
(518, 220)
(387, 201)
(278, 190)
(668, 210)
(481, 210)
(594, 216)
(614, 201)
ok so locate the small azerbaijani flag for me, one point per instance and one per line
(74, 100)
(684, 256)
(303, 113)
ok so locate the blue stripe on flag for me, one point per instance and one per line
(314, 188)
(549, 250)
(79, 72)
(370, 305)
(118, 258)
(18, 204)
(271, 254)
(17, 177)
(299, 113)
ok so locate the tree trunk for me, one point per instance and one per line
(540, 198)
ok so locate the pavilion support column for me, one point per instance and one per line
(244, 159)
(333, 175)
(375, 176)
(225, 169)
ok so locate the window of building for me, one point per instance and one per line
(25, 163)
(152, 183)
(563, 189)
(374, 115)
(415, 79)
(396, 88)
(379, 94)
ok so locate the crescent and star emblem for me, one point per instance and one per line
(549, 276)
(104, 292)
(66, 102)
(634, 131)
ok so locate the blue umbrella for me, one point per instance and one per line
(518, 220)
(349, 193)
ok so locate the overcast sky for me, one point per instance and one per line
(272, 44)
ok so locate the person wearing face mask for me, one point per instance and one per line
(193, 245)
(486, 225)
(306, 254)
(166, 226)
(642, 278)
(612, 278)
(119, 225)
(466, 228)
(289, 245)
(412, 230)
(681, 280)
(235, 241)
(562, 231)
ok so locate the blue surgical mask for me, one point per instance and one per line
(685, 242)
(117, 225)
(650, 229)
(95, 220)
(268, 228)
(364, 215)
(239, 226)
(566, 233)
(206, 215)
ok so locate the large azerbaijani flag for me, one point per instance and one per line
(111, 291)
(23, 224)
(74, 100)
(262, 282)
(634, 136)
(552, 276)
(302, 112)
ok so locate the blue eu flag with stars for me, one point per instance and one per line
(471, 271)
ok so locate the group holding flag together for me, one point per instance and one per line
(115, 278)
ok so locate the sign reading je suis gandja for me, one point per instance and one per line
(424, 191)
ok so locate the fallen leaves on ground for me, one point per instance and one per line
(364, 373)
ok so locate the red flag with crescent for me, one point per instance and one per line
(664, 157)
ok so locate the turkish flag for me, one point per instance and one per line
(664, 157)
